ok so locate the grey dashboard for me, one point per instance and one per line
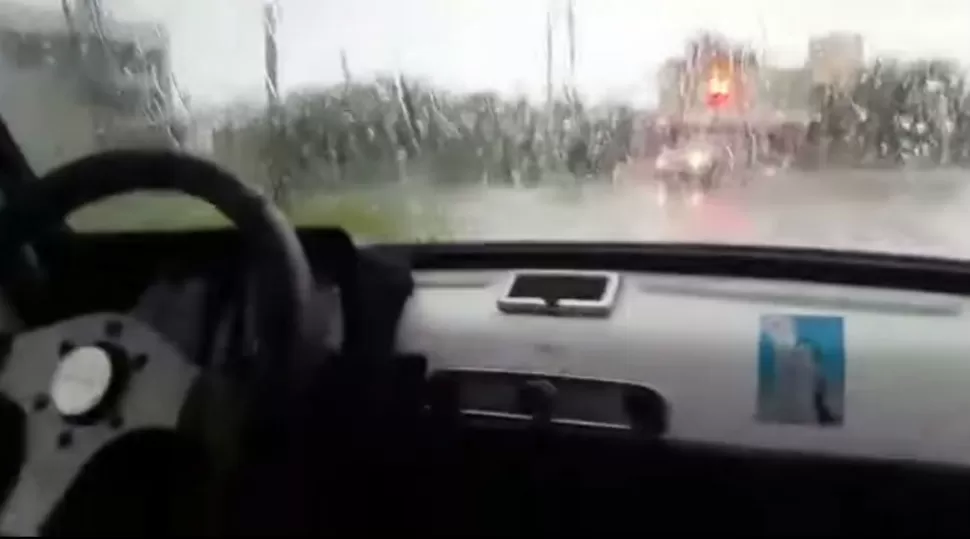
(697, 341)
(896, 363)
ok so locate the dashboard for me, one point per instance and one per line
(897, 361)
(696, 341)
(831, 368)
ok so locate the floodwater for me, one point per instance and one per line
(911, 211)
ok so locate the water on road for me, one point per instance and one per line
(916, 212)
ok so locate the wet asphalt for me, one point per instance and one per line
(909, 211)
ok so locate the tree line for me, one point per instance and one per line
(398, 130)
(895, 113)
(393, 130)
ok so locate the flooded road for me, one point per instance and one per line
(914, 212)
(918, 212)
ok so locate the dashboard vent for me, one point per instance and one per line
(547, 399)
(560, 293)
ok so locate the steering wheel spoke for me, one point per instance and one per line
(83, 386)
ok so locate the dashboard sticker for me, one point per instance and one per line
(801, 370)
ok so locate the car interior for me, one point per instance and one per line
(261, 379)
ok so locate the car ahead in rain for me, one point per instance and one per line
(693, 168)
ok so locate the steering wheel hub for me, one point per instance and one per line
(81, 381)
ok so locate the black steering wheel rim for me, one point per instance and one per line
(283, 272)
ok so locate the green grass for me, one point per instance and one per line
(367, 216)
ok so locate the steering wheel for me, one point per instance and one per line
(88, 381)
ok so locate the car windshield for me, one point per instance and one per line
(828, 123)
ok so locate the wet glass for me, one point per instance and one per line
(816, 123)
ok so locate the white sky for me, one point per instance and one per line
(217, 46)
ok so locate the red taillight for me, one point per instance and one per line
(717, 100)
(718, 91)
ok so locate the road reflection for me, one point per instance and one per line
(917, 212)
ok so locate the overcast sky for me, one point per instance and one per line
(499, 44)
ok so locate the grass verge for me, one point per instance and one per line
(369, 216)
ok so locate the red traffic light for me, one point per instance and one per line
(717, 99)
(718, 91)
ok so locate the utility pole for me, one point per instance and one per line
(571, 23)
(71, 24)
(549, 61)
(278, 168)
(92, 54)
(345, 67)
(96, 13)
(270, 61)
(550, 106)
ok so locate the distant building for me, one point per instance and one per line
(669, 87)
(785, 88)
(73, 89)
(835, 58)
